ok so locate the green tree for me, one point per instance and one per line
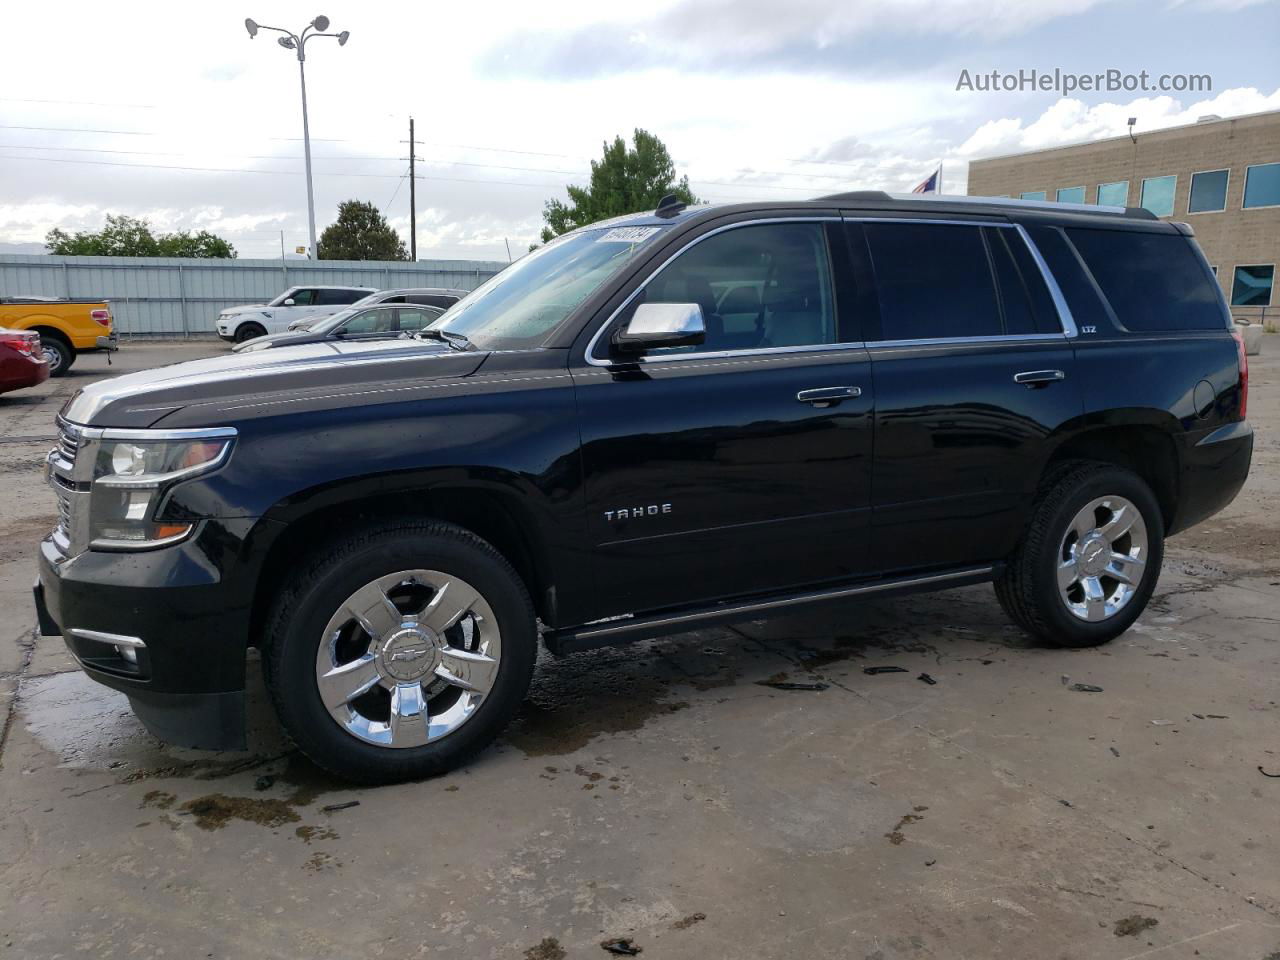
(123, 236)
(203, 245)
(360, 233)
(622, 181)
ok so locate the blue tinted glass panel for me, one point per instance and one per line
(1262, 185)
(1071, 195)
(1157, 195)
(1251, 286)
(1034, 195)
(1208, 192)
(1113, 194)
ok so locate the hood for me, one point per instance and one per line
(243, 308)
(296, 338)
(330, 367)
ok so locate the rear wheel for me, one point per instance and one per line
(59, 352)
(249, 331)
(403, 652)
(1090, 559)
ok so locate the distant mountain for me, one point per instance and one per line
(21, 248)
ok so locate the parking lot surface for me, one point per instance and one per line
(665, 794)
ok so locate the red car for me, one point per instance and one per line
(22, 362)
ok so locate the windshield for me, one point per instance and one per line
(521, 306)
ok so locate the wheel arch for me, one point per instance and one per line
(1139, 440)
(496, 513)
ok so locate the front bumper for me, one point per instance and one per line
(185, 613)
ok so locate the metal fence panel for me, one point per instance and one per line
(171, 296)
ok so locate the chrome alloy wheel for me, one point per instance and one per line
(408, 658)
(1101, 558)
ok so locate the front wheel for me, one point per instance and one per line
(1090, 558)
(403, 652)
(249, 331)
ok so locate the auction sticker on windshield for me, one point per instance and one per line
(627, 235)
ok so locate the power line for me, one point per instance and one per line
(129, 133)
(404, 176)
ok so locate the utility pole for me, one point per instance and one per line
(413, 204)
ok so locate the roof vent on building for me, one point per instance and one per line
(1208, 118)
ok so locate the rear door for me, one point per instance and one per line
(973, 370)
(712, 470)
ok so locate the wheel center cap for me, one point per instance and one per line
(1093, 554)
(409, 653)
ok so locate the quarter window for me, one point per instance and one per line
(1262, 185)
(934, 281)
(1251, 286)
(761, 286)
(1153, 281)
(1157, 195)
(1071, 195)
(1114, 194)
(1034, 195)
(1208, 192)
(335, 298)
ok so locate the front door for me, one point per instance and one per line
(714, 470)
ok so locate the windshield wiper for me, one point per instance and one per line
(455, 340)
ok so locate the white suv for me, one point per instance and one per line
(238, 324)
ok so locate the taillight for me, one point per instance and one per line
(102, 316)
(1242, 359)
(27, 346)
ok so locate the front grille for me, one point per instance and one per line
(68, 443)
(64, 512)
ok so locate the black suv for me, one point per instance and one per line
(648, 425)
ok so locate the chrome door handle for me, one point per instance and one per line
(827, 396)
(1038, 378)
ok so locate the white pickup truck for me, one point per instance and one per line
(238, 324)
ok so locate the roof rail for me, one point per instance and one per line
(1136, 213)
(854, 195)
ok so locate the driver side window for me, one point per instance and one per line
(371, 321)
(762, 286)
(303, 298)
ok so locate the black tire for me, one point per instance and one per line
(59, 352)
(1028, 589)
(313, 594)
(249, 331)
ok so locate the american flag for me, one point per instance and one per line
(929, 184)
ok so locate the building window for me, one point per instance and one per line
(1157, 195)
(1071, 195)
(1114, 194)
(1214, 268)
(1208, 191)
(1034, 195)
(1262, 185)
(1251, 286)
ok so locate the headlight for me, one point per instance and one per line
(133, 473)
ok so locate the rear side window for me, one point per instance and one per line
(934, 281)
(1028, 308)
(1077, 289)
(1153, 281)
(333, 298)
(433, 299)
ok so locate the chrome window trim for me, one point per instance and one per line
(956, 341)
(1065, 318)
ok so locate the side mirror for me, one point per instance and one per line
(289, 302)
(656, 325)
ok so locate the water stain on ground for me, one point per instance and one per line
(1133, 925)
(686, 922)
(896, 836)
(215, 811)
(158, 799)
(318, 862)
(548, 949)
(306, 833)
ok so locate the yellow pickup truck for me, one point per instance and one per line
(67, 328)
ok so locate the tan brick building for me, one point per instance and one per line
(1220, 176)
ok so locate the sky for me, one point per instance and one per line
(169, 111)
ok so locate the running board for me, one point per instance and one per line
(628, 628)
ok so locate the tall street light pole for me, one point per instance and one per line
(298, 43)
